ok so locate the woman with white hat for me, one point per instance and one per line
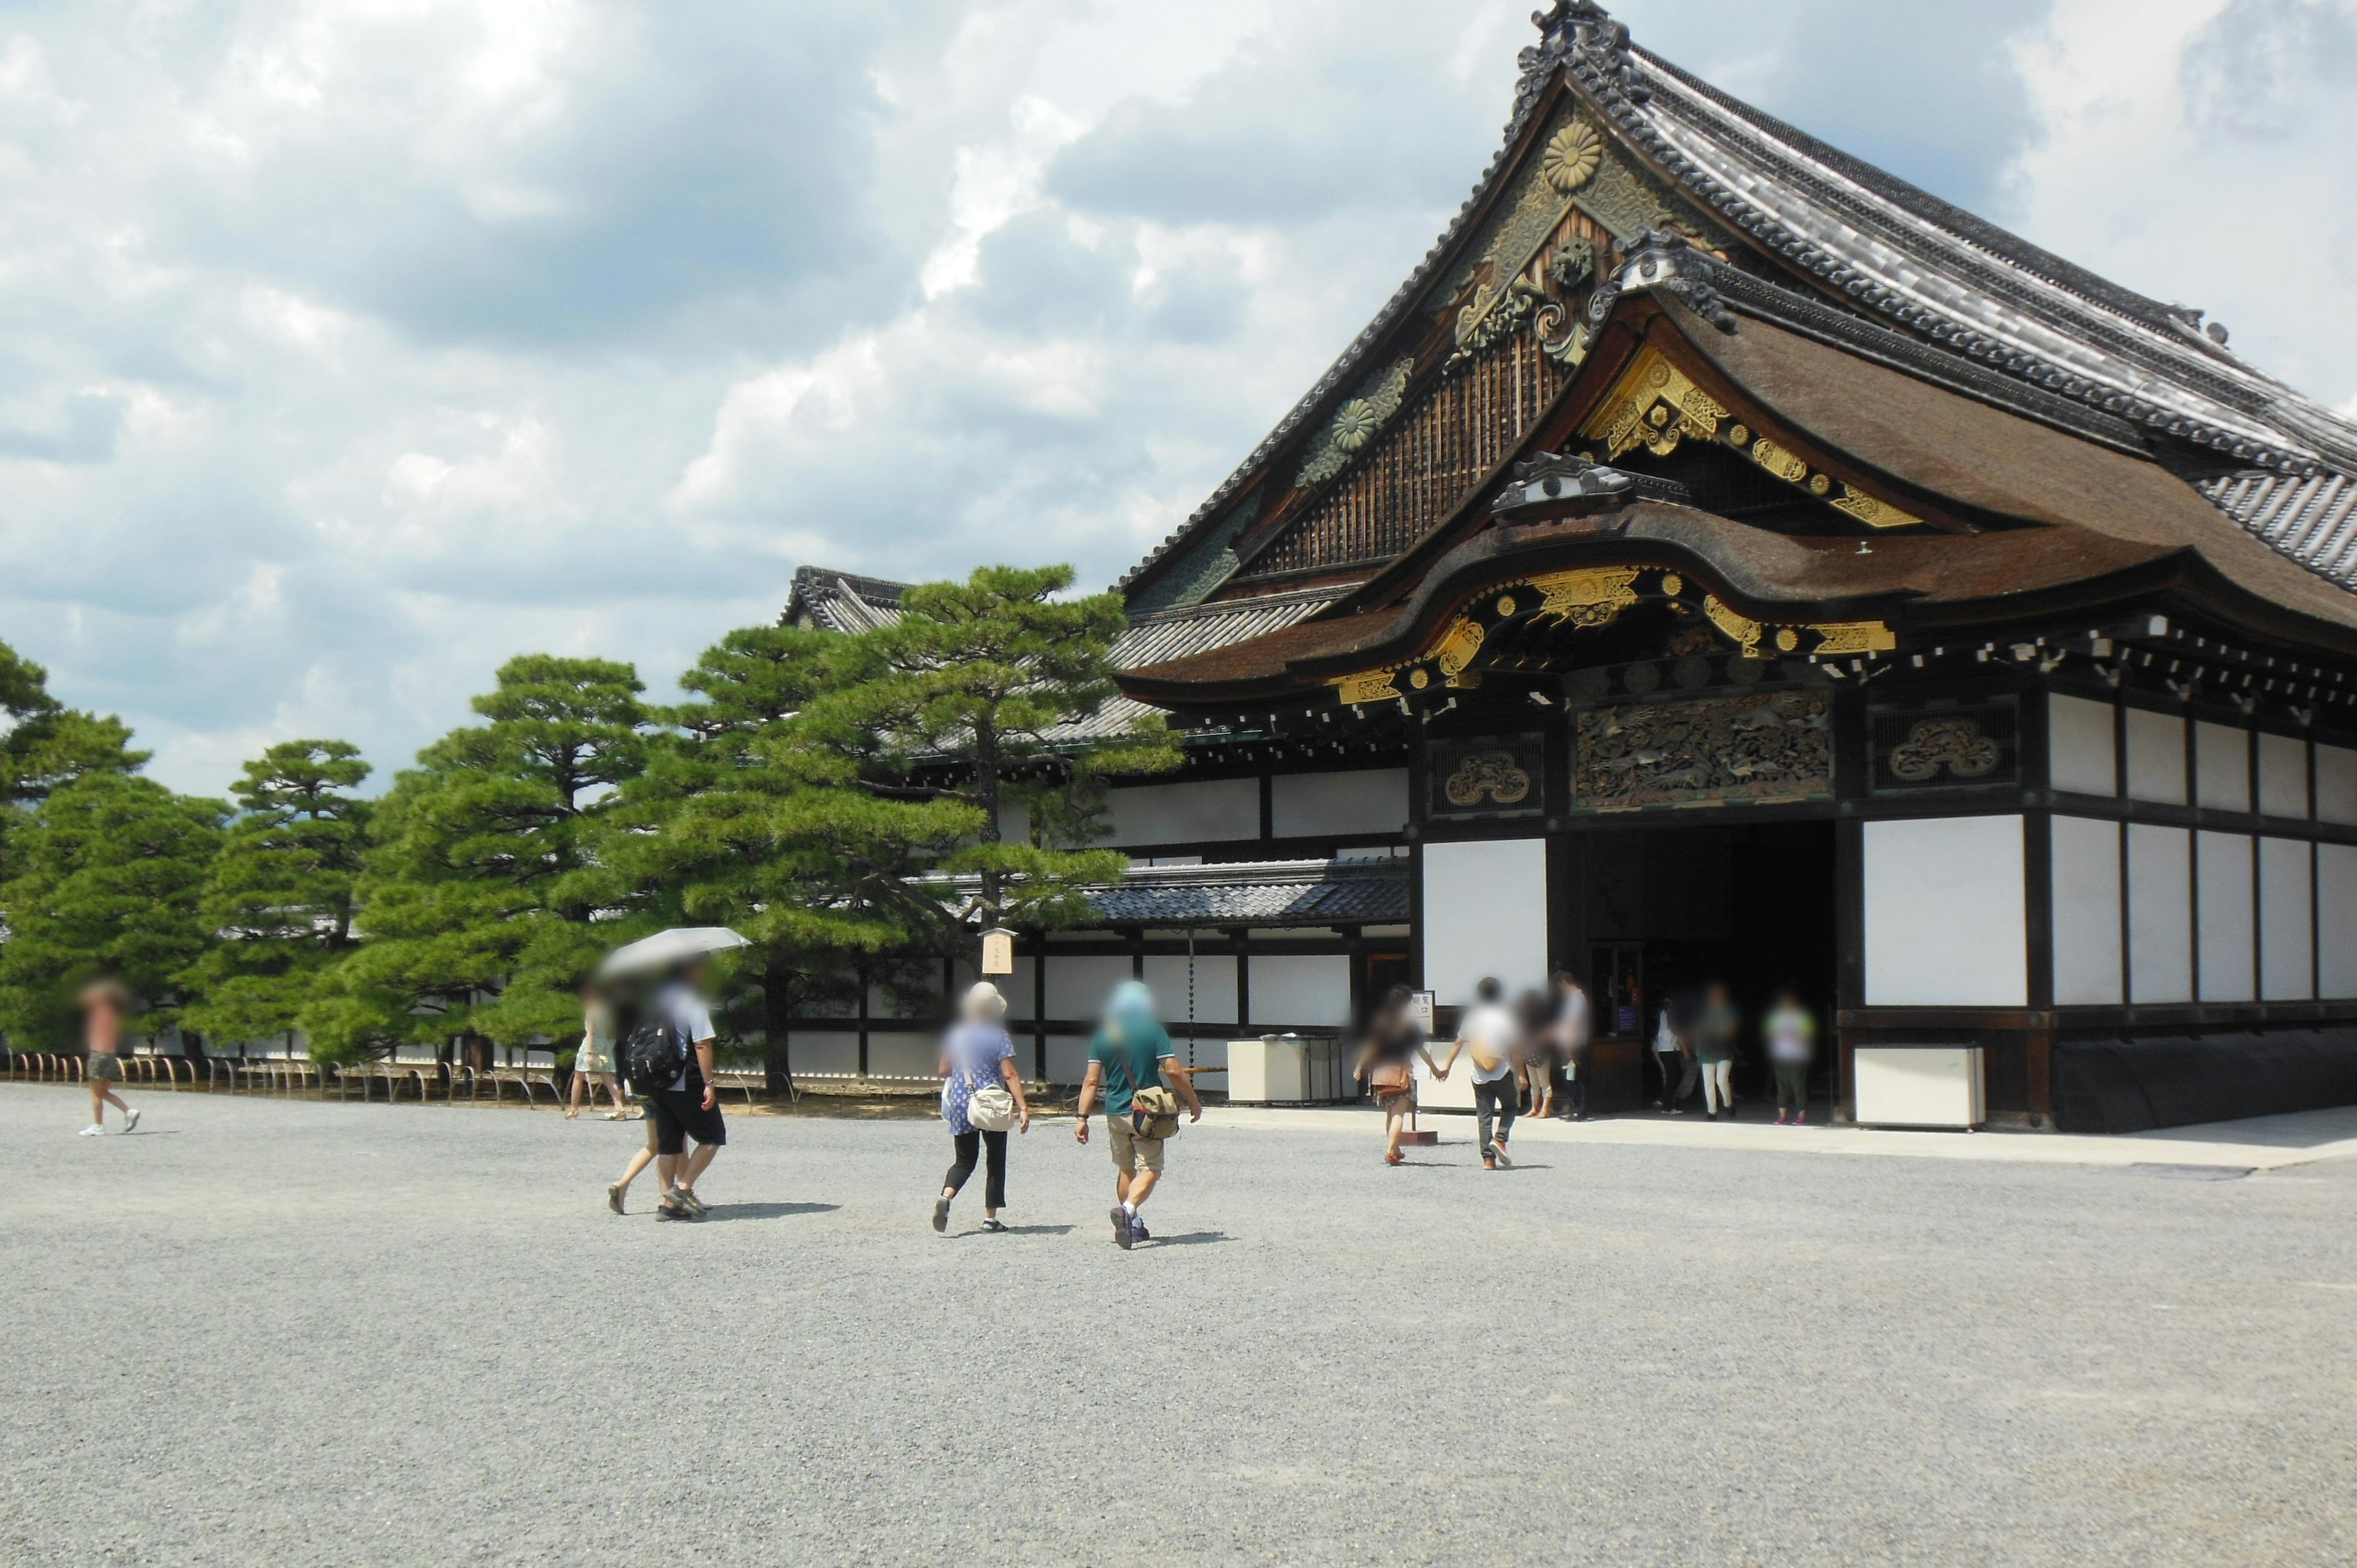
(981, 1097)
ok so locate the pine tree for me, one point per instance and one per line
(476, 913)
(733, 824)
(105, 877)
(280, 900)
(48, 744)
(972, 696)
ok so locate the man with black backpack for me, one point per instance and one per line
(669, 1058)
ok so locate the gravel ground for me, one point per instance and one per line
(275, 1331)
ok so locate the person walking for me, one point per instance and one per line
(1667, 1056)
(1489, 1031)
(1387, 1064)
(105, 1006)
(1573, 1025)
(981, 1093)
(1791, 1031)
(1534, 1060)
(617, 1195)
(688, 1107)
(1714, 1027)
(1129, 1061)
(593, 1064)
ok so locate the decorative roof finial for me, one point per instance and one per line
(1584, 33)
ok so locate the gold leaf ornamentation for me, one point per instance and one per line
(1371, 686)
(1956, 744)
(1572, 156)
(1872, 512)
(1459, 648)
(1488, 776)
(1855, 637)
(1740, 629)
(1590, 596)
(1654, 405)
(1779, 462)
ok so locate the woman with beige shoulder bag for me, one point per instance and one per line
(982, 1098)
(1387, 1064)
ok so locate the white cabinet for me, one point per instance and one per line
(1919, 1086)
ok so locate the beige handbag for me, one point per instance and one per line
(990, 1110)
(1154, 1112)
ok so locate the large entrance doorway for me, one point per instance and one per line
(1752, 906)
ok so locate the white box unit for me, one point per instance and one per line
(1919, 1086)
(1287, 1070)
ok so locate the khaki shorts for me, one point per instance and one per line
(1129, 1150)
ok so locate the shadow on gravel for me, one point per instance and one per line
(1191, 1238)
(768, 1211)
(1016, 1230)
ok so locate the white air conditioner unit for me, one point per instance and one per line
(1919, 1086)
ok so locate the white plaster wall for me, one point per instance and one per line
(2336, 921)
(2283, 776)
(821, 1054)
(1215, 987)
(2286, 921)
(2160, 914)
(1315, 805)
(1067, 1059)
(902, 1055)
(2222, 767)
(1078, 986)
(2229, 925)
(1015, 987)
(1300, 991)
(1484, 914)
(2079, 739)
(920, 1001)
(1945, 922)
(2155, 757)
(1212, 811)
(2335, 784)
(2086, 912)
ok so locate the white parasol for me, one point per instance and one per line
(665, 948)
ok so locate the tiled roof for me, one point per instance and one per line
(1273, 893)
(1887, 250)
(841, 601)
(1248, 893)
(2311, 519)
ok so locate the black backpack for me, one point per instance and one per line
(653, 1055)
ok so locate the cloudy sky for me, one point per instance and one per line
(352, 347)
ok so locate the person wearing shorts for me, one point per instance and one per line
(688, 1107)
(593, 1065)
(1130, 1052)
(105, 1007)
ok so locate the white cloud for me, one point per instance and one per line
(2197, 151)
(354, 348)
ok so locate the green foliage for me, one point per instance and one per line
(48, 744)
(963, 701)
(105, 878)
(475, 905)
(733, 823)
(280, 900)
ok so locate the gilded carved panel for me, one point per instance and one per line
(1767, 747)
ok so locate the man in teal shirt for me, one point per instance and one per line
(1132, 1051)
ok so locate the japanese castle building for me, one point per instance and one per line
(1723, 559)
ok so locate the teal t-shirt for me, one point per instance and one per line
(1130, 1055)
